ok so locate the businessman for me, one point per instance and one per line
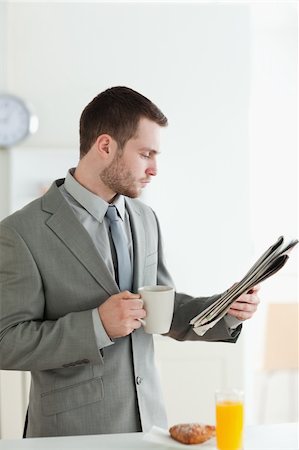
(71, 263)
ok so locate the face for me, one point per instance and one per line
(133, 167)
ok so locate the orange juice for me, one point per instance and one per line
(229, 425)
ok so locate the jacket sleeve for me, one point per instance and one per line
(27, 341)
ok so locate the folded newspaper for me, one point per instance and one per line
(269, 263)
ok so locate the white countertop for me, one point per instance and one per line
(263, 437)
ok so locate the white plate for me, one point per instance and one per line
(160, 436)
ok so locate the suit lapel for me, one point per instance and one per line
(139, 242)
(71, 232)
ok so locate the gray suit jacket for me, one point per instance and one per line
(51, 277)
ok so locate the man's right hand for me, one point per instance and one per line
(120, 313)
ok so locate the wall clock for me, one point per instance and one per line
(17, 121)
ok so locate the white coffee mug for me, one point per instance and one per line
(158, 303)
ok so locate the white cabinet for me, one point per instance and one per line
(192, 371)
(14, 389)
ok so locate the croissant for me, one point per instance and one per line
(192, 433)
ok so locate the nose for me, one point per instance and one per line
(152, 169)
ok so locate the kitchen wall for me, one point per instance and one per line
(273, 152)
(225, 75)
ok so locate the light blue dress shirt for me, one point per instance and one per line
(90, 210)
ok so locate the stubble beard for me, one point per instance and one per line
(119, 179)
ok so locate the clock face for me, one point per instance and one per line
(15, 120)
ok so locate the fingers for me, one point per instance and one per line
(133, 309)
(130, 308)
(249, 297)
(240, 315)
(125, 295)
(120, 313)
(254, 289)
(132, 304)
(242, 311)
(133, 320)
(246, 305)
(129, 304)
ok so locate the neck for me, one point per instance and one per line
(89, 176)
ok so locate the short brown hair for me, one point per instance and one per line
(117, 112)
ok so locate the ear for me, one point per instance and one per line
(105, 146)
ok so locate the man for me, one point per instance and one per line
(67, 313)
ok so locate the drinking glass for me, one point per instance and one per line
(229, 419)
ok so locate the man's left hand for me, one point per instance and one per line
(245, 305)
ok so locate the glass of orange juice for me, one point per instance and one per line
(229, 419)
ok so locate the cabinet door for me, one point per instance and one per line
(192, 371)
(14, 390)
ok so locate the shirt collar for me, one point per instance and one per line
(119, 203)
(94, 204)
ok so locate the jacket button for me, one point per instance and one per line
(138, 380)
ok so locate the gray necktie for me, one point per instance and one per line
(124, 265)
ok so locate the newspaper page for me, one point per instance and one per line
(269, 263)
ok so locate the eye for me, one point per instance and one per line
(145, 155)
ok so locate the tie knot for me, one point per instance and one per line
(112, 213)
